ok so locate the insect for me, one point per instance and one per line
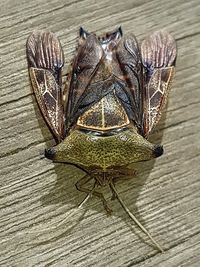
(115, 92)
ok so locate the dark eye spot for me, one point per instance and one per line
(158, 151)
(49, 153)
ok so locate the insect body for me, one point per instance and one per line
(113, 99)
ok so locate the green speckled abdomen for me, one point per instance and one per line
(104, 152)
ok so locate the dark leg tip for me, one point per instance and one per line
(49, 153)
(158, 150)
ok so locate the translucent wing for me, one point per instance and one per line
(129, 58)
(45, 62)
(84, 67)
(158, 56)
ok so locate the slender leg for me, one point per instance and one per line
(114, 196)
(124, 173)
(132, 216)
(80, 186)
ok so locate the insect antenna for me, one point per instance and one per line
(132, 216)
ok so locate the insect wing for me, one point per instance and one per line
(45, 62)
(158, 57)
(85, 64)
(128, 55)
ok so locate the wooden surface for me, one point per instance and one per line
(35, 194)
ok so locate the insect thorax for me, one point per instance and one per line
(105, 115)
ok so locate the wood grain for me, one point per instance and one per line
(35, 194)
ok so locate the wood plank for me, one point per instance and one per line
(37, 194)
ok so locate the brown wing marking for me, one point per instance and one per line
(158, 55)
(84, 67)
(45, 62)
(129, 57)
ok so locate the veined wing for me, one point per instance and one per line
(129, 85)
(45, 62)
(84, 67)
(158, 56)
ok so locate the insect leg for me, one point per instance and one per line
(125, 173)
(133, 217)
(80, 186)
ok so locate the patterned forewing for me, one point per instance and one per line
(158, 56)
(84, 67)
(45, 62)
(129, 58)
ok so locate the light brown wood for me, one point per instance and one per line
(36, 194)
